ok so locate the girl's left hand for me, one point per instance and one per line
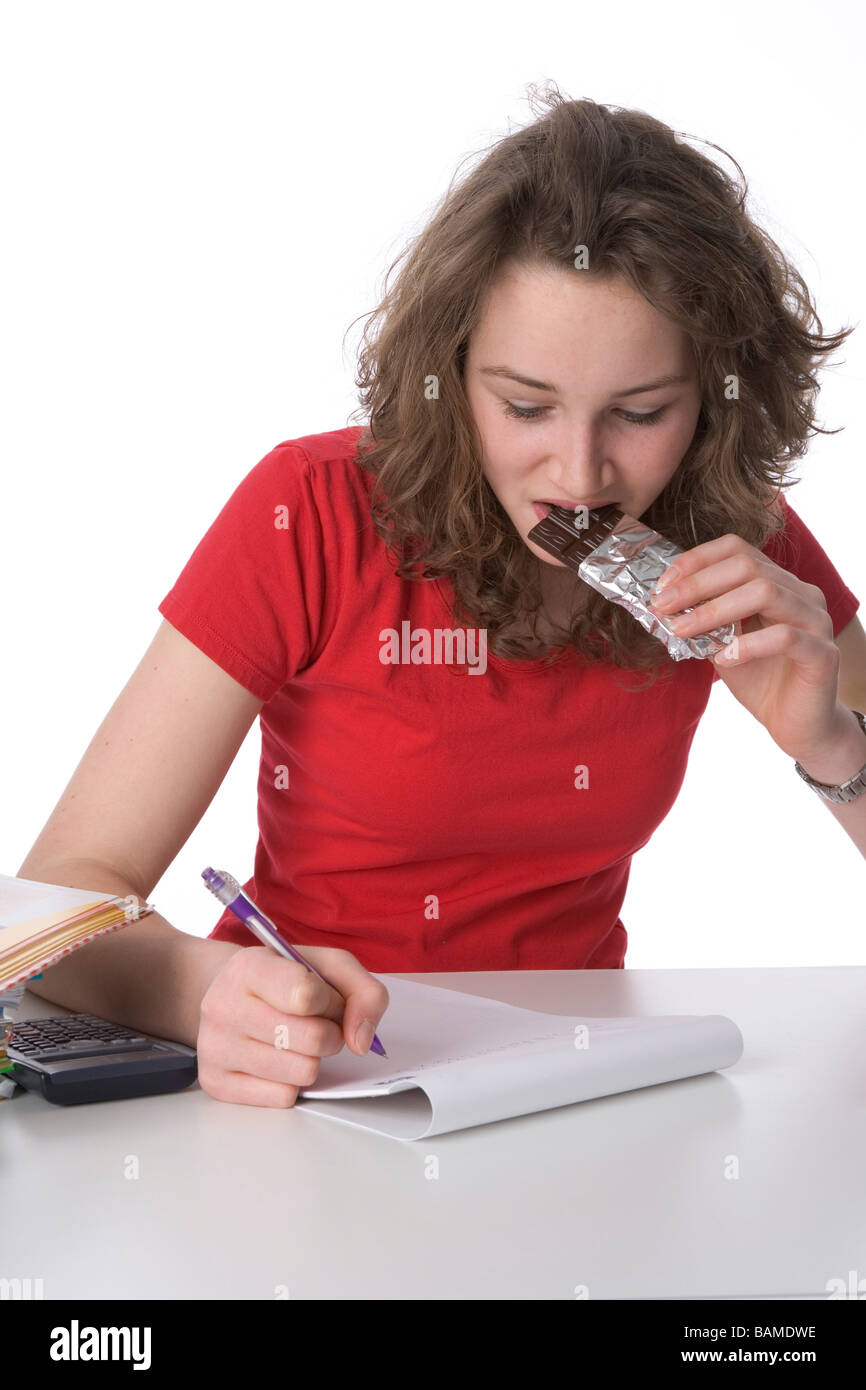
(785, 666)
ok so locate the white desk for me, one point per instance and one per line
(626, 1194)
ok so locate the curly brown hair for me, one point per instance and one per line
(665, 218)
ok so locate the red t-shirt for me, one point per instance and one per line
(422, 816)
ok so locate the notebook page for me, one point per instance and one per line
(457, 1060)
(426, 1026)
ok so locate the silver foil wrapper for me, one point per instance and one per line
(626, 567)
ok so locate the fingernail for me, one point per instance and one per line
(668, 577)
(364, 1036)
(664, 600)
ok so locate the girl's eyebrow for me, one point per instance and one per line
(546, 385)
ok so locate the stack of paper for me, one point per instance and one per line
(39, 924)
(9, 998)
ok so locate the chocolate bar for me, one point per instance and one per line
(623, 559)
(557, 533)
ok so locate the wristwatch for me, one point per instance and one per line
(845, 791)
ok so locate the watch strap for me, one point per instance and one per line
(844, 791)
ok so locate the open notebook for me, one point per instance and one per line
(41, 922)
(458, 1060)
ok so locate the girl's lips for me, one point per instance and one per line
(542, 508)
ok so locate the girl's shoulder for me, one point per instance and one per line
(329, 456)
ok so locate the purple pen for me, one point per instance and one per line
(230, 893)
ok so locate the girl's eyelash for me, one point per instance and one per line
(643, 419)
(535, 412)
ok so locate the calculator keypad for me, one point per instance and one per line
(82, 1035)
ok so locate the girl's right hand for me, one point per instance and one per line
(266, 1022)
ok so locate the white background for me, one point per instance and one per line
(199, 202)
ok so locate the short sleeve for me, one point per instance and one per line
(796, 550)
(251, 594)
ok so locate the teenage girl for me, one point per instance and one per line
(590, 316)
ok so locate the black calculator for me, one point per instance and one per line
(78, 1058)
